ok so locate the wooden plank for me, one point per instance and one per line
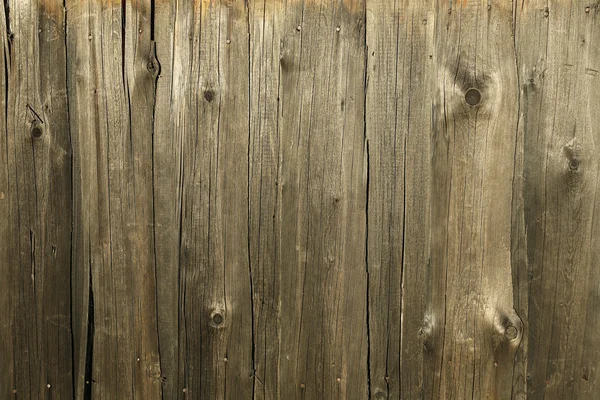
(266, 22)
(475, 132)
(7, 382)
(35, 192)
(210, 117)
(559, 62)
(167, 170)
(112, 86)
(398, 124)
(321, 191)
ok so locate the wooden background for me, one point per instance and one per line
(293, 199)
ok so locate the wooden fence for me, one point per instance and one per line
(299, 199)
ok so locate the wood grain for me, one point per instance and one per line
(112, 90)
(559, 84)
(299, 199)
(308, 199)
(473, 169)
(35, 202)
(211, 117)
(398, 124)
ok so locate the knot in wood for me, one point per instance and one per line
(217, 319)
(511, 333)
(574, 164)
(209, 95)
(152, 67)
(473, 97)
(36, 130)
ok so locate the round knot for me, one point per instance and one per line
(152, 67)
(511, 332)
(473, 97)
(574, 164)
(209, 95)
(36, 130)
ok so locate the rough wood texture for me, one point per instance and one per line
(111, 92)
(398, 118)
(299, 199)
(560, 63)
(35, 205)
(308, 199)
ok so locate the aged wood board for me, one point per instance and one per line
(299, 199)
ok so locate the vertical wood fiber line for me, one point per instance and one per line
(35, 206)
(398, 123)
(559, 58)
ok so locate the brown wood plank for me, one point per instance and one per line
(266, 20)
(398, 124)
(322, 200)
(473, 167)
(559, 62)
(35, 194)
(167, 165)
(7, 383)
(112, 86)
(210, 117)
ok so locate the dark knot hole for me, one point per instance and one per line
(473, 97)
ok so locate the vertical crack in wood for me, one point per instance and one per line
(253, 359)
(514, 268)
(367, 187)
(89, 353)
(74, 375)
(152, 17)
(154, 68)
(367, 263)
(123, 19)
(9, 37)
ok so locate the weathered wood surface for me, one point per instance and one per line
(281, 199)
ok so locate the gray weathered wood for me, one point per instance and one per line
(270, 199)
(398, 123)
(322, 191)
(35, 202)
(111, 87)
(167, 192)
(559, 63)
(210, 118)
(473, 170)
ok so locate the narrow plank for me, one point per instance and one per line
(210, 78)
(36, 192)
(559, 59)
(322, 200)
(475, 134)
(266, 22)
(7, 365)
(111, 84)
(167, 164)
(398, 128)
(140, 74)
